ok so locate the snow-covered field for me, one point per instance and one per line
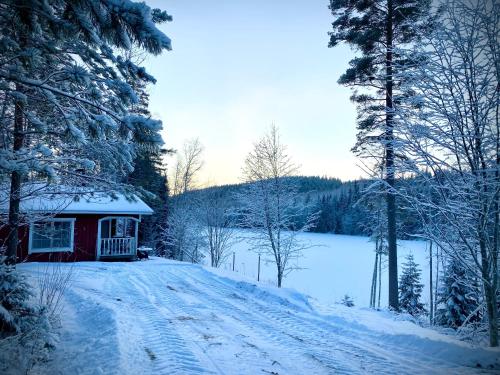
(336, 265)
(167, 317)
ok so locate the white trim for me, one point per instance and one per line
(98, 244)
(55, 249)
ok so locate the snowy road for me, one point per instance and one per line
(163, 317)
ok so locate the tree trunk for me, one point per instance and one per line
(280, 276)
(373, 293)
(490, 291)
(15, 186)
(436, 284)
(431, 307)
(389, 165)
(379, 279)
(491, 306)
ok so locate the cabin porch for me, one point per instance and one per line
(117, 237)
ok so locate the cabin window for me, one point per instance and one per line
(52, 236)
(119, 227)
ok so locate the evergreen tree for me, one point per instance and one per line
(458, 296)
(377, 28)
(347, 301)
(67, 93)
(410, 288)
(150, 176)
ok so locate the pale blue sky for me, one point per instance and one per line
(237, 66)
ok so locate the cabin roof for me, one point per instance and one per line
(66, 201)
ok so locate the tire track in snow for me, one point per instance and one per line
(324, 341)
(166, 302)
(302, 336)
(167, 351)
(284, 338)
(180, 307)
(255, 358)
(171, 353)
(86, 321)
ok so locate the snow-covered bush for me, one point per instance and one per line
(25, 330)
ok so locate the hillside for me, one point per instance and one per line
(167, 317)
(341, 205)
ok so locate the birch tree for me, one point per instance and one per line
(455, 135)
(270, 205)
(218, 226)
(183, 232)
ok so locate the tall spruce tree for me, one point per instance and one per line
(376, 28)
(410, 288)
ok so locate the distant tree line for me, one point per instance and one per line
(341, 206)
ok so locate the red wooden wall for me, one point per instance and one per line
(85, 241)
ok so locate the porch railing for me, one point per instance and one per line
(118, 246)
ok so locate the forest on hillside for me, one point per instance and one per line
(340, 207)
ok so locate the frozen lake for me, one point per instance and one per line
(335, 266)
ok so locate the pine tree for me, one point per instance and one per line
(458, 297)
(410, 288)
(66, 87)
(347, 301)
(150, 175)
(377, 28)
(15, 295)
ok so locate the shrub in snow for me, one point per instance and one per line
(410, 288)
(347, 301)
(458, 298)
(15, 294)
(25, 330)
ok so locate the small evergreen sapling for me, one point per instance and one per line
(347, 301)
(410, 288)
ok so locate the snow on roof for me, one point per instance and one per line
(80, 203)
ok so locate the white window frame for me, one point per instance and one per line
(71, 220)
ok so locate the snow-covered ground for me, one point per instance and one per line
(336, 265)
(167, 317)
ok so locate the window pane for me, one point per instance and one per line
(51, 235)
(41, 235)
(61, 236)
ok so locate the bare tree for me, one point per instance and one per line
(188, 164)
(218, 226)
(182, 235)
(271, 205)
(456, 136)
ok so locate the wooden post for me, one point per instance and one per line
(258, 270)
(233, 259)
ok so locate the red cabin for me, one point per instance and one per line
(77, 228)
